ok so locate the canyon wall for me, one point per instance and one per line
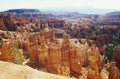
(11, 22)
(64, 57)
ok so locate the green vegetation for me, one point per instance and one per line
(58, 35)
(18, 55)
(117, 39)
(109, 50)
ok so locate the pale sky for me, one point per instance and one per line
(59, 4)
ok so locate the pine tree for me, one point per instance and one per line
(18, 54)
(109, 50)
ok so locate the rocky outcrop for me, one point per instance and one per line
(93, 70)
(63, 69)
(12, 22)
(116, 57)
(87, 27)
(6, 52)
(50, 55)
(114, 72)
(64, 57)
(2, 25)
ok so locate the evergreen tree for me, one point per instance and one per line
(17, 55)
(109, 50)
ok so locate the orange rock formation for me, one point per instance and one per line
(48, 53)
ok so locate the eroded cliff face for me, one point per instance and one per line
(11, 22)
(114, 73)
(67, 57)
(116, 57)
(87, 27)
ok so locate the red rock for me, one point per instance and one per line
(116, 57)
(114, 72)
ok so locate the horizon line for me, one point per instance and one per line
(80, 10)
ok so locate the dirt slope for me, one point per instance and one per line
(13, 71)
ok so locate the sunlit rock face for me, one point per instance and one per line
(6, 52)
(93, 70)
(51, 55)
(64, 56)
(11, 22)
